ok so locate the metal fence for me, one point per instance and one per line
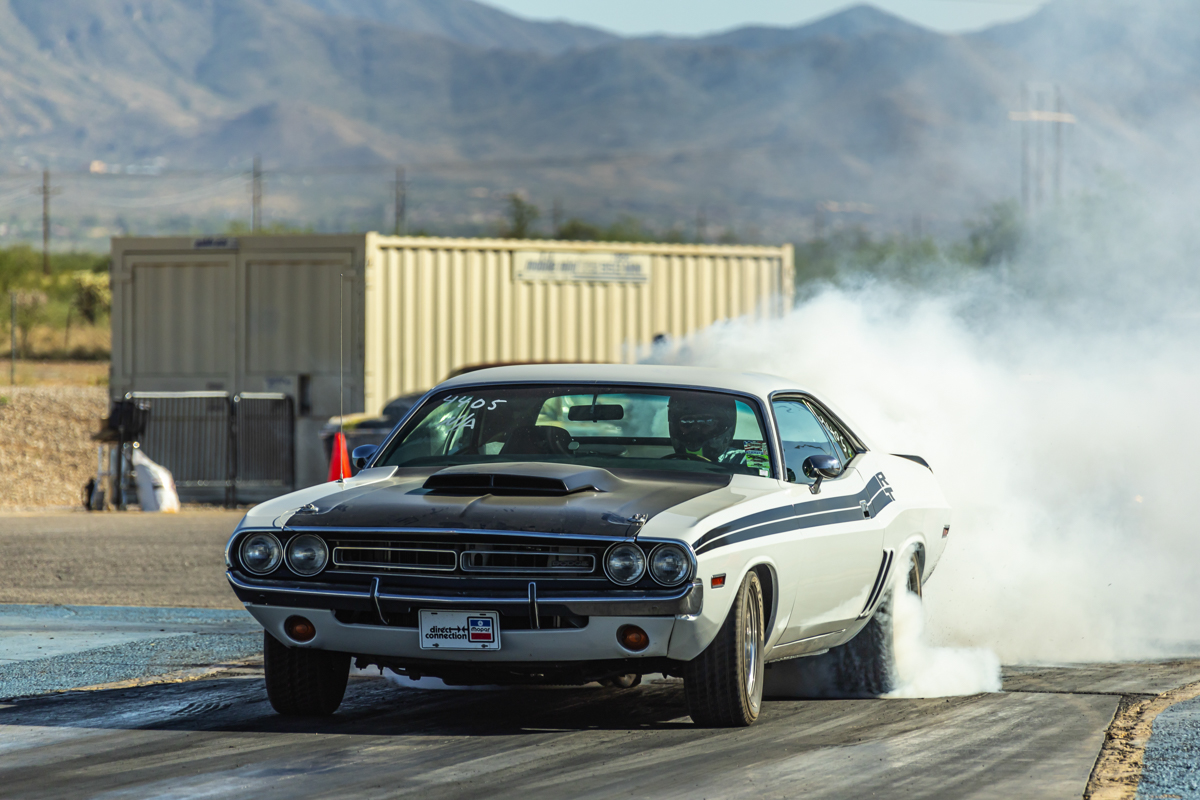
(220, 448)
(264, 438)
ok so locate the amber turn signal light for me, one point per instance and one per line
(299, 629)
(633, 638)
(718, 581)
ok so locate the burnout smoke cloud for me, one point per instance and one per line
(1055, 397)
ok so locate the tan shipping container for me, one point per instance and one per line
(270, 313)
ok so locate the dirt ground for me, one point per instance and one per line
(116, 558)
(55, 373)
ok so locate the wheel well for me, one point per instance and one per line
(768, 587)
(919, 548)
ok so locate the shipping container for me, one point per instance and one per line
(384, 316)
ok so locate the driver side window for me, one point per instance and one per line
(802, 435)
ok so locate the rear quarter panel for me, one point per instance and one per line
(921, 510)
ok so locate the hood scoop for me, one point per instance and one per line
(522, 479)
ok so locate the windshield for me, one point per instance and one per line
(613, 427)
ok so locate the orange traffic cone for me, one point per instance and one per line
(339, 462)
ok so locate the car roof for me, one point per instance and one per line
(753, 383)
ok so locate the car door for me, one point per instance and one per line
(835, 550)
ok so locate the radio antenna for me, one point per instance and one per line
(342, 372)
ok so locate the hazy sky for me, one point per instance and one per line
(705, 16)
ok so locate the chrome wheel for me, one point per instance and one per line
(914, 574)
(750, 648)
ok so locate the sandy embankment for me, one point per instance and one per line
(46, 451)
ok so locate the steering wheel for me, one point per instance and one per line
(687, 457)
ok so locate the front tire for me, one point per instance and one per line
(724, 684)
(303, 682)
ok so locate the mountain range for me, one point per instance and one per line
(765, 131)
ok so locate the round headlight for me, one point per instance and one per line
(625, 564)
(669, 564)
(261, 553)
(307, 554)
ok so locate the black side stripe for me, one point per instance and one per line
(876, 496)
(880, 582)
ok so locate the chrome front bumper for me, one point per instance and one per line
(686, 600)
(596, 642)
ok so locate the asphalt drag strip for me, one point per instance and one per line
(164, 718)
(219, 737)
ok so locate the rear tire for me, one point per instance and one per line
(724, 684)
(863, 666)
(303, 682)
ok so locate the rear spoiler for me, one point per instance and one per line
(917, 459)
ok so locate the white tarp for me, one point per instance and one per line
(155, 486)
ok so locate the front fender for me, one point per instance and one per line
(693, 633)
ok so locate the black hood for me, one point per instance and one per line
(534, 497)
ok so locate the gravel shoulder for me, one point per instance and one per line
(46, 451)
(1171, 765)
(117, 559)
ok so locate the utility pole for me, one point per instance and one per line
(556, 215)
(256, 198)
(45, 191)
(401, 197)
(12, 327)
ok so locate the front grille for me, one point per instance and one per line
(541, 563)
(468, 558)
(406, 558)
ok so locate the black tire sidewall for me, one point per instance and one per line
(715, 681)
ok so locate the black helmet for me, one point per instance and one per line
(701, 424)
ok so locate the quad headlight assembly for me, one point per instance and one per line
(260, 553)
(307, 554)
(669, 564)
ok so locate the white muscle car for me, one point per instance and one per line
(576, 523)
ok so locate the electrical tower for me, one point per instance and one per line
(1041, 107)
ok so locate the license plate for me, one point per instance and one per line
(460, 630)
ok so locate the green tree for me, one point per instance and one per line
(521, 216)
(578, 230)
(995, 237)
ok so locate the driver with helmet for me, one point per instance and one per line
(701, 429)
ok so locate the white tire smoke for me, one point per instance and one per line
(1055, 399)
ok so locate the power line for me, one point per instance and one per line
(203, 193)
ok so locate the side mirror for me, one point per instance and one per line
(362, 454)
(818, 468)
